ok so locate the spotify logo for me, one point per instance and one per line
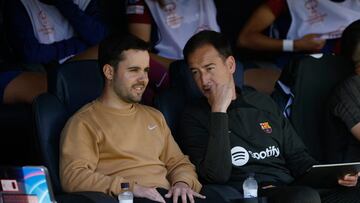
(239, 156)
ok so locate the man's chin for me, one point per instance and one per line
(137, 98)
(206, 94)
(133, 99)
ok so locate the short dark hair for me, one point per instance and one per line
(216, 39)
(350, 39)
(111, 48)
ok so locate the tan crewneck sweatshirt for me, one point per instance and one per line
(102, 147)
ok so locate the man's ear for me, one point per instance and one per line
(108, 72)
(230, 62)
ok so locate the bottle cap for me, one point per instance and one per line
(251, 174)
(125, 185)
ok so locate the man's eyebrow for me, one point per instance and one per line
(133, 67)
(210, 64)
(205, 66)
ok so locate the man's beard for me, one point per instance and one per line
(130, 98)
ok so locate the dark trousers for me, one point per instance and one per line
(211, 197)
(340, 195)
(290, 194)
(303, 194)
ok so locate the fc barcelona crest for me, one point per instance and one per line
(266, 127)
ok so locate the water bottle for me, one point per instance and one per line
(250, 187)
(126, 196)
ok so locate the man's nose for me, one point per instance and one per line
(204, 78)
(143, 76)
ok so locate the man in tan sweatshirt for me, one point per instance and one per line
(113, 139)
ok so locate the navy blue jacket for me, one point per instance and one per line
(89, 28)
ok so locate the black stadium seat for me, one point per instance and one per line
(312, 81)
(71, 86)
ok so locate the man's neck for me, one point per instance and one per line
(234, 94)
(113, 101)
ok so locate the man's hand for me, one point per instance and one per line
(267, 186)
(183, 190)
(310, 42)
(149, 193)
(349, 180)
(221, 96)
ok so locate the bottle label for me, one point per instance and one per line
(250, 193)
(126, 201)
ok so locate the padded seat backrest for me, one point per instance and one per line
(71, 85)
(76, 83)
(312, 81)
(50, 117)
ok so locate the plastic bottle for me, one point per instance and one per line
(126, 196)
(250, 187)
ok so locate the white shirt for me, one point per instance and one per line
(48, 23)
(321, 17)
(178, 21)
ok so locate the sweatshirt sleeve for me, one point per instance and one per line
(208, 145)
(179, 167)
(87, 24)
(79, 155)
(296, 155)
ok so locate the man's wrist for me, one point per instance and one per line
(217, 109)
